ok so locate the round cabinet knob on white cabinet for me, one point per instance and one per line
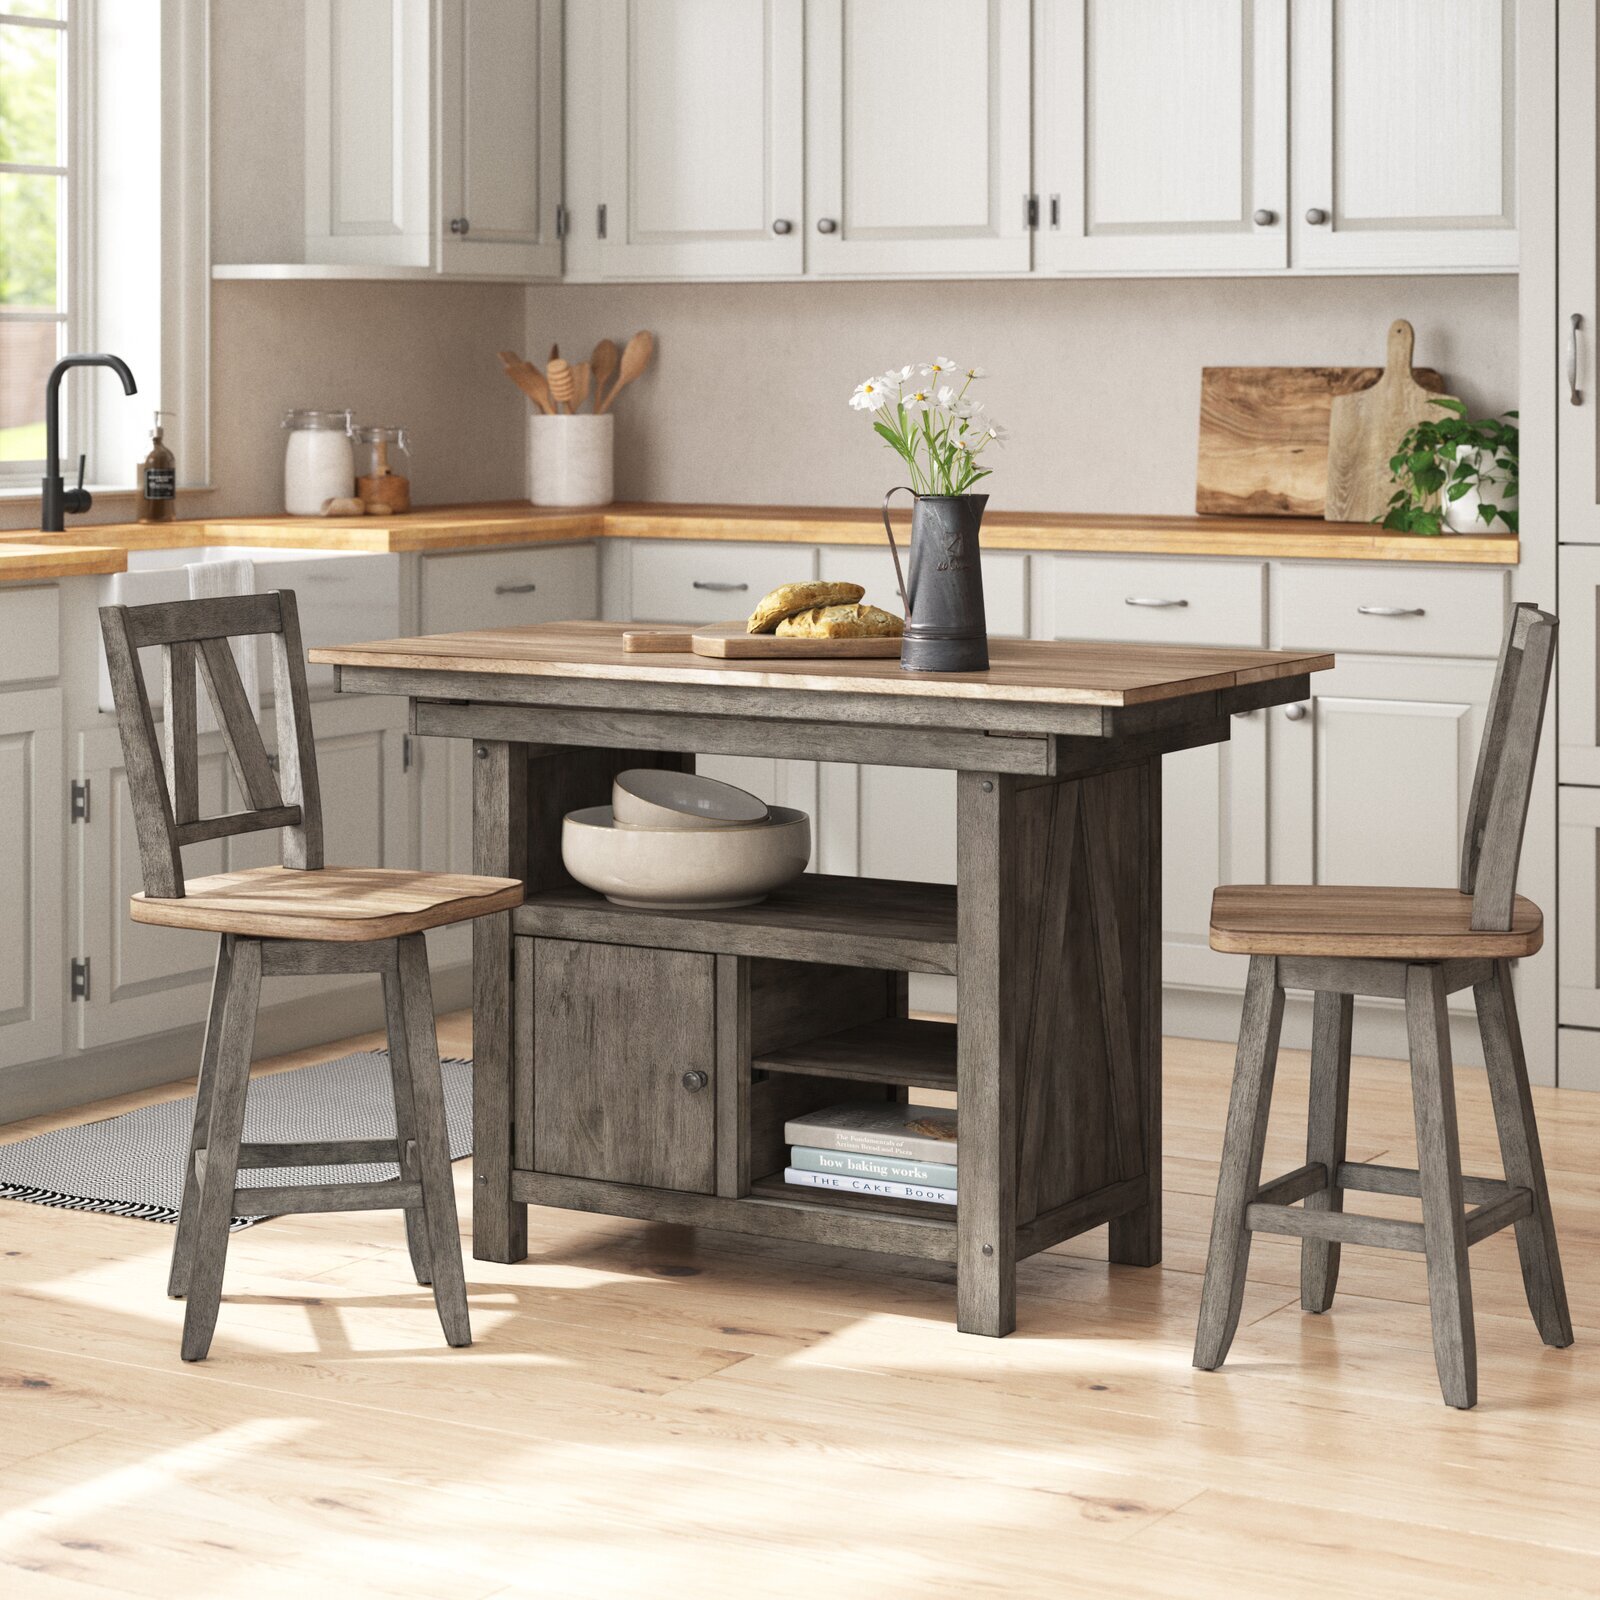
(1296, 712)
(827, 225)
(783, 225)
(1316, 216)
(1265, 218)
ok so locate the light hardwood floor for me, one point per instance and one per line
(653, 1413)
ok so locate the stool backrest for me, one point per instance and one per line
(1503, 783)
(164, 777)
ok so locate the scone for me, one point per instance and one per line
(792, 597)
(841, 622)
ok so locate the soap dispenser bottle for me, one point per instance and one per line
(158, 479)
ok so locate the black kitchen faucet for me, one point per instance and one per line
(57, 499)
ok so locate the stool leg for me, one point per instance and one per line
(1521, 1156)
(1223, 1293)
(405, 1124)
(183, 1241)
(432, 1139)
(1433, 1090)
(231, 1075)
(1325, 1137)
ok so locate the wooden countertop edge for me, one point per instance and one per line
(34, 556)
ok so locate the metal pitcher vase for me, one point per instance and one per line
(943, 590)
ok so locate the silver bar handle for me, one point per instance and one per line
(1390, 611)
(720, 588)
(1574, 393)
(515, 588)
(1152, 602)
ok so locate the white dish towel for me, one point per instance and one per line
(211, 580)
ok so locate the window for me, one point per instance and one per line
(34, 208)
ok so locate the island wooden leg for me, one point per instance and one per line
(499, 849)
(986, 1215)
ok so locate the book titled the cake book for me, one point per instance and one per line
(872, 1148)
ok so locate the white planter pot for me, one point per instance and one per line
(1461, 516)
(569, 459)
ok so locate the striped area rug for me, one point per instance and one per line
(132, 1165)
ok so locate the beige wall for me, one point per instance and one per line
(1098, 380)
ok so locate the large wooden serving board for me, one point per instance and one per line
(1264, 436)
(729, 641)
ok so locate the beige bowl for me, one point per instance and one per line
(650, 797)
(685, 868)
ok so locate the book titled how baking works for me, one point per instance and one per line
(878, 1128)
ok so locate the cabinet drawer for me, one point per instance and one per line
(1005, 586)
(509, 588)
(1151, 599)
(684, 582)
(1390, 609)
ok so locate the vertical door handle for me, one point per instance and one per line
(1574, 393)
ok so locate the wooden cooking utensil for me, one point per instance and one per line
(604, 363)
(1364, 429)
(635, 358)
(1264, 436)
(529, 379)
(580, 384)
(563, 383)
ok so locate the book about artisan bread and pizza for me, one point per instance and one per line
(871, 1187)
(886, 1169)
(878, 1128)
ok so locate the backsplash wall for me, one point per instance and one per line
(1097, 379)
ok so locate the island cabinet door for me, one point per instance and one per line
(917, 141)
(1404, 134)
(1161, 128)
(701, 160)
(1578, 664)
(623, 1064)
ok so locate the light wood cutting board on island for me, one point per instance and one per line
(731, 641)
(1366, 429)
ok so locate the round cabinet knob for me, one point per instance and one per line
(1316, 216)
(694, 1082)
(1265, 218)
(459, 225)
(783, 225)
(827, 225)
(1296, 712)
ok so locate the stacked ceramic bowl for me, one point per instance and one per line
(674, 840)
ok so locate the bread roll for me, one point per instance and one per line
(789, 598)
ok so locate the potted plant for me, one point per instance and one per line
(1455, 473)
(926, 416)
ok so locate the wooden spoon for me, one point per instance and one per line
(581, 374)
(635, 358)
(563, 383)
(529, 379)
(604, 363)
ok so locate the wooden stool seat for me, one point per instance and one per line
(1286, 919)
(334, 904)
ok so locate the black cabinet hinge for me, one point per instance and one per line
(78, 800)
(561, 220)
(1030, 211)
(600, 221)
(78, 971)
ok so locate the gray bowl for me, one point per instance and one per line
(651, 797)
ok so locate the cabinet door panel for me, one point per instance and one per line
(933, 179)
(33, 978)
(701, 142)
(500, 136)
(1579, 924)
(1450, 202)
(1578, 274)
(1162, 130)
(1579, 667)
(617, 1027)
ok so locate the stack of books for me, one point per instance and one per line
(868, 1147)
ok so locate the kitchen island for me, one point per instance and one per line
(642, 1063)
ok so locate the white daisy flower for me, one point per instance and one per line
(977, 372)
(939, 365)
(917, 400)
(946, 397)
(871, 395)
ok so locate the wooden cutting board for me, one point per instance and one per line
(1365, 428)
(1264, 436)
(728, 641)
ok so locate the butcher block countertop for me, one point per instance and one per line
(1047, 672)
(32, 555)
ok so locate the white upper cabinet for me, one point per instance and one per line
(917, 137)
(433, 135)
(1404, 134)
(500, 137)
(700, 133)
(1163, 135)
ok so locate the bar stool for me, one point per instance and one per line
(1419, 945)
(294, 919)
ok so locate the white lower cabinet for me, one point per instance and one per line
(1578, 818)
(33, 976)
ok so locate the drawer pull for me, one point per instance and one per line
(720, 588)
(1296, 712)
(515, 588)
(1390, 611)
(694, 1082)
(1153, 603)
